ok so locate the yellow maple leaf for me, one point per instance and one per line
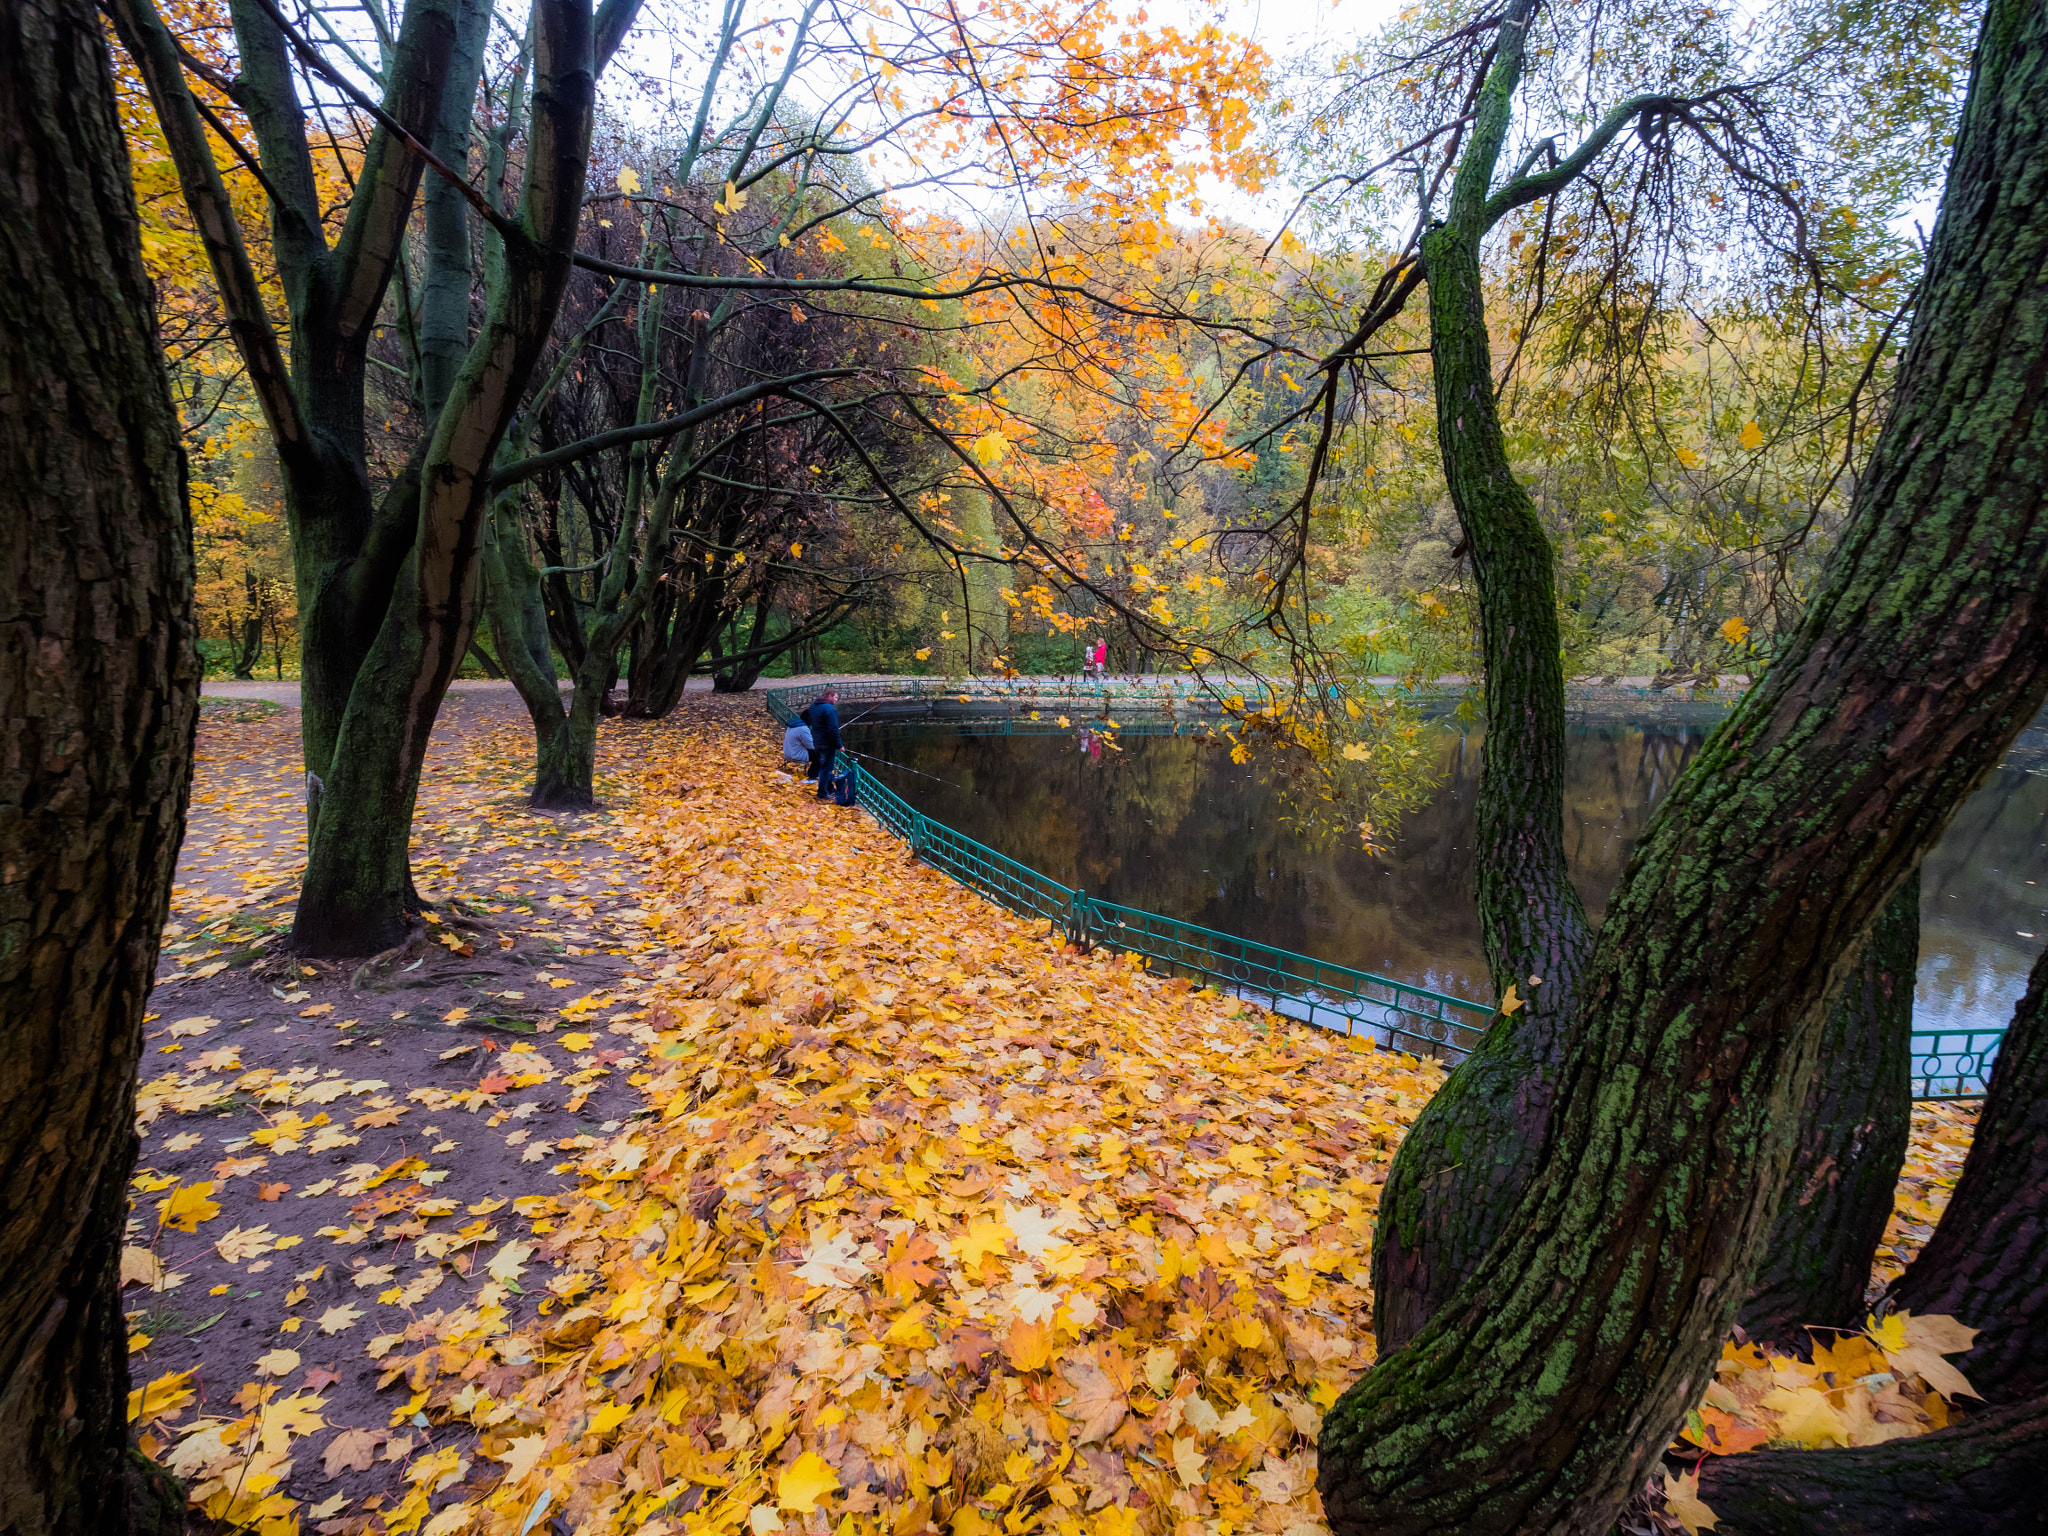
(184, 1208)
(1806, 1417)
(805, 1481)
(1682, 1502)
(629, 180)
(983, 1237)
(925, 654)
(1029, 1346)
(1752, 436)
(278, 1362)
(509, 1263)
(162, 1398)
(1926, 1340)
(1889, 1334)
(990, 447)
(522, 1455)
(1734, 631)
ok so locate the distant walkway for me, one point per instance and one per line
(287, 692)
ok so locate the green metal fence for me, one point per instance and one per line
(1947, 1063)
(1953, 1063)
(1320, 992)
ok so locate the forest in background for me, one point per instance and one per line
(1138, 411)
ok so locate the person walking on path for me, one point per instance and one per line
(823, 719)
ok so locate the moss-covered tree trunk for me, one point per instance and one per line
(1461, 1169)
(1852, 1142)
(519, 630)
(1545, 1388)
(1987, 1262)
(99, 684)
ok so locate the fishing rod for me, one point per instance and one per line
(918, 771)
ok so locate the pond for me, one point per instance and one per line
(1175, 827)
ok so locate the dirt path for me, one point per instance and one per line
(337, 1166)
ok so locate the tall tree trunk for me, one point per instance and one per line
(1461, 1169)
(248, 650)
(1544, 1389)
(1852, 1143)
(358, 895)
(446, 288)
(1987, 1262)
(99, 686)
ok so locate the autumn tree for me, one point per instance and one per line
(1548, 1382)
(386, 575)
(101, 682)
(797, 364)
(1681, 153)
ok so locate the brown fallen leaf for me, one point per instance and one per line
(271, 1191)
(352, 1451)
(1098, 1407)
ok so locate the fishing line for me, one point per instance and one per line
(886, 763)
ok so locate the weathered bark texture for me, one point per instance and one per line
(1461, 1169)
(1852, 1142)
(1985, 1474)
(99, 685)
(1987, 1262)
(1541, 1393)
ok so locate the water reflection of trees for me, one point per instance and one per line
(1171, 825)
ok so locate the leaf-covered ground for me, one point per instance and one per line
(840, 1199)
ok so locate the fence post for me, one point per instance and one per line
(1078, 913)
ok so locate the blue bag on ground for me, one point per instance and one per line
(842, 790)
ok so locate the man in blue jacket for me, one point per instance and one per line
(823, 719)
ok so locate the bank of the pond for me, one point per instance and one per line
(935, 1221)
(1168, 825)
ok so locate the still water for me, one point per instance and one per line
(1175, 827)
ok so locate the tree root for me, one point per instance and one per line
(1984, 1474)
(414, 945)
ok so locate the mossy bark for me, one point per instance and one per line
(1853, 1132)
(1460, 1171)
(1987, 1262)
(99, 686)
(1543, 1391)
(562, 777)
